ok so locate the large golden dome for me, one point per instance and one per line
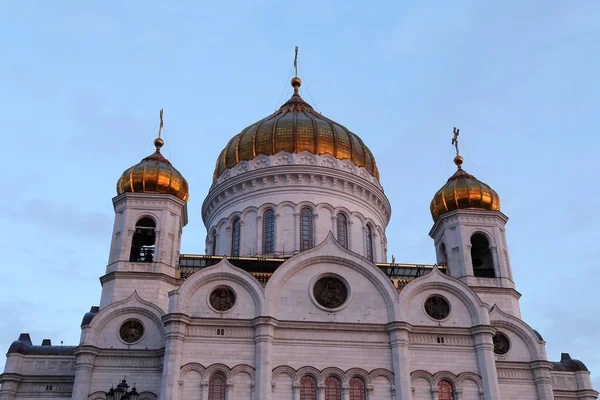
(296, 127)
(154, 174)
(463, 191)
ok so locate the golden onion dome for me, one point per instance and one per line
(296, 127)
(154, 174)
(463, 192)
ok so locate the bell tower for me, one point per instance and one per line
(470, 237)
(150, 213)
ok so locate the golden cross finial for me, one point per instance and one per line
(296, 61)
(455, 139)
(161, 123)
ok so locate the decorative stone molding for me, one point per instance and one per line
(344, 377)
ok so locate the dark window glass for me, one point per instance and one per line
(236, 230)
(342, 230)
(369, 243)
(306, 229)
(144, 239)
(333, 390)
(445, 391)
(214, 244)
(481, 257)
(216, 387)
(268, 232)
(357, 389)
(308, 388)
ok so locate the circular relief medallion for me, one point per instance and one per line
(131, 331)
(437, 307)
(222, 298)
(501, 343)
(330, 292)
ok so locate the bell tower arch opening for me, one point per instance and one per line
(144, 241)
(481, 257)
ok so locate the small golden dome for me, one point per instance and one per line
(154, 174)
(296, 127)
(463, 191)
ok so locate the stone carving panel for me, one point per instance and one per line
(222, 298)
(131, 331)
(437, 307)
(330, 292)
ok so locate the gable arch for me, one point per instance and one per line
(506, 321)
(435, 280)
(180, 299)
(322, 254)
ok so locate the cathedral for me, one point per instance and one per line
(293, 298)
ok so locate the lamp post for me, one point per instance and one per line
(121, 393)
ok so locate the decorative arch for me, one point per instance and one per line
(446, 376)
(421, 374)
(243, 368)
(325, 206)
(99, 395)
(234, 215)
(483, 232)
(222, 368)
(463, 376)
(333, 371)
(322, 254)
(311, 371)
(199, 368)
(284, 369)
(357, 372)
(382, 372)
(247, 211)
(147, 396)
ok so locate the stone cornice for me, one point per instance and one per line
(140, 276)
(152, 201)
(496, 290)
(464, 217)
(296, 178)
(331, 326)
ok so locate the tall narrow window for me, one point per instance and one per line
(357, 389)
(333, 389)
(444, 255)
(342, 229)
(369, 243)
(481, 256)
(144, 239)
(213, 246)
(306, 229)
(308, 388)
(445, 391)
(216, 386)
(268, 246)
(236, 230)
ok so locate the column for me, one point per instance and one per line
(484, 348)
(175, 325)
(345, 391)
(399, 343)
(84, 367)
(10, 383)
(374, 246)
(543, 379)
(320, 392)
(334, 226)
(458, 394)
(498, 270)
(264, 333)
(204, 390)
(296, 388)
(350, 223)
(296, 233)
(227, 250)
(242, 233)
(229, 391)
(370, 392)
(259, 242)
(434, 393)
(278, 239)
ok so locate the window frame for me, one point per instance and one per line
(236, 236)
(268, 231)
(342, 222)
(307, 229)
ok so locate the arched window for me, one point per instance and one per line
(445, 391)
(357, 389)
(308, 388)
(369, 243)
(216, 386)
(342, 229)
(333, 389)
(213, 246)
(144, 239)
(306, 229)
(268, 244)
(236, 231)
(481, 256)
(444, 255)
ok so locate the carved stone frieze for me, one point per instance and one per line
(450, 340)
(209, 331)
(515, 374)
(49, 367)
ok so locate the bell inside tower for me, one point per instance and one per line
(144, 240)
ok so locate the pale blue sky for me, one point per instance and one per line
(82, 85)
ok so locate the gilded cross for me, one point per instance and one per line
(455, 139)
(296, 61)
(161, 123)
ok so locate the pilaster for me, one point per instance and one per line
(543, 379)
(84, 367)
(484, 349)
(264, 333)
(399, 343)
(175, 326)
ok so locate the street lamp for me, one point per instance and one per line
(121, 393)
